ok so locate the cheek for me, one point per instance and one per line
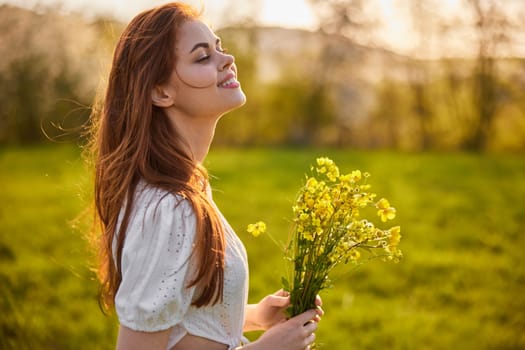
(197, 76)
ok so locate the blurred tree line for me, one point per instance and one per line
(331, 87)
(50, 69)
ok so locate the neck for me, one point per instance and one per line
(197, 133)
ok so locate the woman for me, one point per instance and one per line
(171, 265)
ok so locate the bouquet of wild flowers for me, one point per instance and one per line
(329, 228)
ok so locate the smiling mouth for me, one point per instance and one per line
(232, 82)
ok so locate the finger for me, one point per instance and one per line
(319, 311)
(305, 316)
(310, 327)
(282, 293)
(318, 300)
(278, 301)
(310, 339)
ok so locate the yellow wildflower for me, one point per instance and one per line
(324, 161)
(395, 236)
(308, 235)
(385, 212)
(345, 178)
(333, 173)
(328, 167)
(311, 184)
(365, 187)
(257, 228)
(310, 203)
(355, 175)
(354, 254)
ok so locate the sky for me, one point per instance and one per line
(395, 31)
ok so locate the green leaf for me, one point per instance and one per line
(285, 283)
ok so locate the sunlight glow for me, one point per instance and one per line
(395, 28)
(289, 14)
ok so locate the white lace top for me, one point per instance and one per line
(156, 268)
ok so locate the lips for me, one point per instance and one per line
(228, 81)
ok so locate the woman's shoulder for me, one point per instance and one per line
(159, 217)
(150, 197)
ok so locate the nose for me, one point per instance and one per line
(226, 61)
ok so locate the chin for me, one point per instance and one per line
(242, 99)
(236, 102)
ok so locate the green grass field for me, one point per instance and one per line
(461, 284)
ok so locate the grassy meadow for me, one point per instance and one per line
(461, 284)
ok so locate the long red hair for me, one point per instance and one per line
(134, 141)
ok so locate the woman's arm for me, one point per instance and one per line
(129, 339)
(250, 323)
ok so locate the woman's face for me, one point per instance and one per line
(204, 81)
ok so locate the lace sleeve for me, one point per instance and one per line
(156, 264)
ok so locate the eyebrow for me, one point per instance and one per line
(205, 45)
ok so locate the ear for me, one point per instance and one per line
(161, 97)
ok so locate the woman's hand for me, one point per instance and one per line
(296, 333)
(271, 310)
(268, 312)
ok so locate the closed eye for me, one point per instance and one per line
(203, 59)
(207, 57)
